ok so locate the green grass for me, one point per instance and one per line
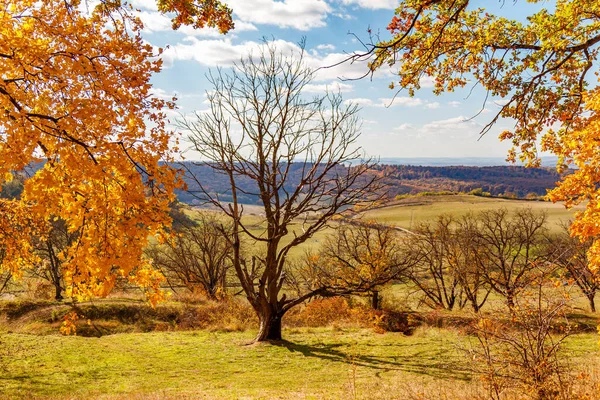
(315, 363)
(408, 212)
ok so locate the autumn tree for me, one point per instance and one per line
(76, 101)
(298, 153)
(198, 255)
(543, 68)
(522, 352)
(361, 256)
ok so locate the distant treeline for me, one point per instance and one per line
(514, 181)
(511, 181)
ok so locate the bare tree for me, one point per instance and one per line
(570, 254)
(361, 256)
(431, 273)
(198, 255)
(461, 249)
(509, 249)
(297, 157)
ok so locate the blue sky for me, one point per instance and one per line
(423, 126)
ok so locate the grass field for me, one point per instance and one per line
(407, 212)
(324, 363)
(217, 361)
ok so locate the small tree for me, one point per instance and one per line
(362, 256)
(461, 250)
(50, 250)
(198, 255)
(509, 249)
(570, 254)
(296, 156)
(522, 349)
(431, 273)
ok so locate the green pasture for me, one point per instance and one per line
(408, 212)
(324, 363)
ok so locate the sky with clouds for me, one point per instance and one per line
(394, 124)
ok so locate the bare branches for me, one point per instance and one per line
(296, 156)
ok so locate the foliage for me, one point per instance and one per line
(76, 101)
(541, 67)
(198, 13)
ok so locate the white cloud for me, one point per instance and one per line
(299, 14)
(454, 103)
(332, 87)
(326, 47)
(451, 126)
(433, 106)
(427, 82)
(162, 93)
(373, 4)
(404, 101)
(403, 127)
(223, 52)
(359, 101)
(144, 4)
(210, 53)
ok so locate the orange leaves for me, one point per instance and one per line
(17, 227)
(75, 95)
(198, 13)
(541, 68)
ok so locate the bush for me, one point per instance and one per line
(327, 312)
(394, 321)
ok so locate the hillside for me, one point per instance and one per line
(408, 212)
(498, 180)
(401, 179)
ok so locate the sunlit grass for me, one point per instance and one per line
(313, 363)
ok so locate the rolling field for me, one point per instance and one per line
(410, 211)
(407, 212)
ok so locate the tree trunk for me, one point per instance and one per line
(270, 326)
(510, 300)
(590, 297)
(375, 300)
(58, 292)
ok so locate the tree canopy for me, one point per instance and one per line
(76, 106)
(543, 68)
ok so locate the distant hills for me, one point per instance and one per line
(510, 181)
(506, 180)
(455, 161)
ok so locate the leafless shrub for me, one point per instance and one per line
(521, 349)
(198, 255)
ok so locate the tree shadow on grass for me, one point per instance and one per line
(437, 364)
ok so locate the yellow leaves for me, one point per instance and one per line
(198, 13)
(68, 326)
(78, 98)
